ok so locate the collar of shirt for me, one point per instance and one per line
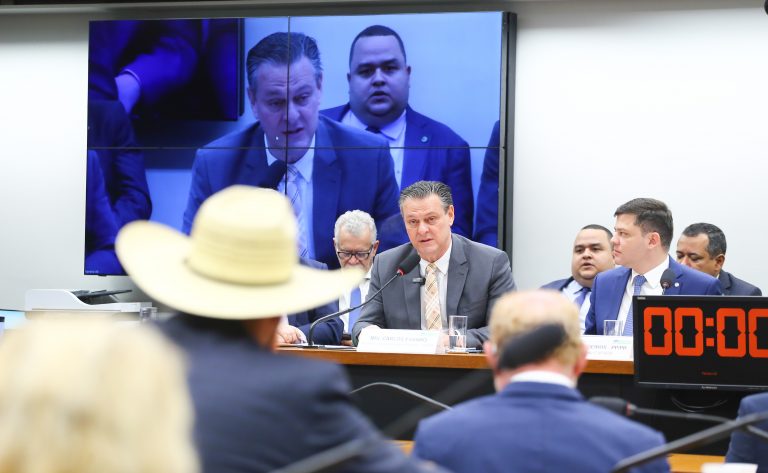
(394, 131)
(442, 263)
(541, 376)
(572, 289)
(304, 165)
(652, 277)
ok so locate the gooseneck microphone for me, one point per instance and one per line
(405, 390)
(405, 267)
(667, 279)
(686, 443)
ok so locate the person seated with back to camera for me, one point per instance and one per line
(255, 410)
(537, 421)
(88, 395)
(460, 276)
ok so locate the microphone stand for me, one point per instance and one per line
(695, 440)
(411, 393)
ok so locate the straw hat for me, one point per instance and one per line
(240, 261)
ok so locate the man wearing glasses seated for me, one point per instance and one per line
(354, 237)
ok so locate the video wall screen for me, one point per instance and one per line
(338, 112)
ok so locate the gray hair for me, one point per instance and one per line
(423, 189)
(355, 221)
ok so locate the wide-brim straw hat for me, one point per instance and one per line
(239, 262)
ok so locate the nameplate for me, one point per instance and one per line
(608, 348)
(425, 342)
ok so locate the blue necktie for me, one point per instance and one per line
(583, 294)
(354, 300)
(636, 284)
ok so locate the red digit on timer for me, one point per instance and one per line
(648, 314)
(698, 348)
(754, 351)
(741, 345)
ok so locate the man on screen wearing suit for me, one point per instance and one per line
(422, 148)
(643, 234)
(592, 254)
(702, 246)
(354, 237)
(255, 411)
(745, 447)
(455, 276)
(331, 168)
(537, 421)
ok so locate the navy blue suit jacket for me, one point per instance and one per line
(609, 286)
(326, 333)
(533, 427)
(744, 447)
(110, 134)
(434, 152)
(486, 227)
(257, 411)
(352, 170)
(558, 284)
(733, 286)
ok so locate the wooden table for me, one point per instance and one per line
(678, 462)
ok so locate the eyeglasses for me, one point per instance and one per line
(360, 255)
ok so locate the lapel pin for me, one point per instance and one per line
(424, 139)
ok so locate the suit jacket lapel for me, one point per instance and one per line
(326, 179)
(458, 267)
(617, 291)
(677, 268)
(255, 156)
(416, 151)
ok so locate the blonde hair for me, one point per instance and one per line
(519, 312)
(90, 396)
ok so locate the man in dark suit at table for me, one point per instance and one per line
(254, 410)
(537, 421)
(455, 276)
(702, 246)
(643, 235)
(745, 447)
(331, 168)
(592, 254)
(422, 148)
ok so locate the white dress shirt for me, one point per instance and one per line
(651, 287)
(394, 133)
(304, 166)
(542, 376)
(572, 291)
(344, 299)
(442, 287)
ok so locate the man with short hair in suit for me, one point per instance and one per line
(455, 276)
(422, 148)
(745, 447)
(354, 237)
(592, 254)
(702, 246)
(255, 411)
(537, 421)
(643, 234)
(325, 168)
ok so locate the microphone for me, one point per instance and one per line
(688, 442)
(667, 279)
(405, 267)
(273, 175)
(407, 391)
(532, 346)
(627, 409)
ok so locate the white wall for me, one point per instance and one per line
(617, 100)
(614, 100)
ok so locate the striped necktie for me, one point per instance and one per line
(637, 283)
(583, 294)
(432, 306)
(354, 300)
(293, 191)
